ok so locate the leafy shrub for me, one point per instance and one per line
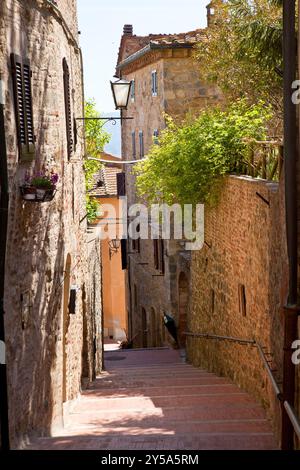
(188, 164)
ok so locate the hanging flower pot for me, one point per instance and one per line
(39, 188)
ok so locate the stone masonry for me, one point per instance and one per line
(46, 252)
(179, 91)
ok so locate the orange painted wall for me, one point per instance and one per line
(113, 278)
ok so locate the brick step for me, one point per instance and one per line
(157, 372)
(182, 442)
(258, 426)
(161, 382)
(137, 416)
(217, 389)
(147, 403)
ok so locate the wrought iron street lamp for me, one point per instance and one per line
(121, 91)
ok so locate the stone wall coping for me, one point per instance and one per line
(271, 185)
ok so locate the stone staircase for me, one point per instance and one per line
(151, 400)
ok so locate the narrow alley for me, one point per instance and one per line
(151, 399)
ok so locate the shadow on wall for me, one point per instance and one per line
(36, 252)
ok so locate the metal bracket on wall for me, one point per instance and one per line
(262, 198)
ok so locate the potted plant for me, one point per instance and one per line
(40, 187)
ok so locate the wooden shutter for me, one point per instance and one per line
(133, 145)
(141, 138)
(67, 94)
(23, 106)
(121, 187)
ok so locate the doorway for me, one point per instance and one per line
(182, 307)
(144, 329)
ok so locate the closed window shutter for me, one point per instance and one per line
(141, 137)
(133, 145)
(23, 106)
(121, 188)
(67, 94)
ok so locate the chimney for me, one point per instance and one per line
(210, 14)
(128, 30)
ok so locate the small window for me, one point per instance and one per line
(133, 145)
(136, 244)
(159, 255)
(141, 140)
(213, 298)
(155, 136)
(242, 300)
(121, 184)
(154, 82)
(23, 107)
(132, 91)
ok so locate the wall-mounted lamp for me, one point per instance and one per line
(121, 91)
(114, 246)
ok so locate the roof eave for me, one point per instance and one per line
(149, 48)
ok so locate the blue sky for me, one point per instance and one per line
(101, 24)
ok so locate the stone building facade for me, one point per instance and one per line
(165, 79)
(238, 286)
(48, 322)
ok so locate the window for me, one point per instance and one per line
(121, 184)
(124, 253)
(141, 140)
(242, 300)
(155, 136)
(159, 255)
(132, 90)
(154, 83)
(133, 145)
(21, 73)
(67, 94)
(136, 244)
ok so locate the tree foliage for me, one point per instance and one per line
(242, 52)
(188, 164)
(96, 139)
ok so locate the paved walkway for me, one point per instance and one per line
(150, 399)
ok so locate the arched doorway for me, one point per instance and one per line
(183, 297)
(65, 325)
(144, 329)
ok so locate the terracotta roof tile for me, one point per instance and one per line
(105, 182)
(136, 43)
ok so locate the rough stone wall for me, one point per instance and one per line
(244, 246)
(155, 293)
(42, 237)
(183, 90)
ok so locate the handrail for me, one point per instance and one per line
(273, 381)
(289, 409)
(228, 338)
(293, 417)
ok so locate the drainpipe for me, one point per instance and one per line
(4, 199)
(291, 310)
